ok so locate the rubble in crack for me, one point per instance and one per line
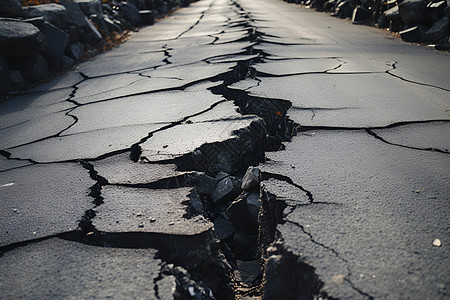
(417, 21)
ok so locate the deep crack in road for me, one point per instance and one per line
(125, 177)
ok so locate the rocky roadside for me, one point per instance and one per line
(416, 21)
(39, 41)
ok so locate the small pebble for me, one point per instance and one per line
(90, 233)
(14, 210)
(139, 214)
(152, 220)
(437, 242)
(171, 223)
(141, 225)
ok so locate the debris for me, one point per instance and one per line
(338, 279)
(437, 243)
(224, 191)
(251, 179)
(223, 226)
(254, 204)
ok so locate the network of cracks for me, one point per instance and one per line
(187, 207)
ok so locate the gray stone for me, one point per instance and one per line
(34, 68)
(67, 62)
(254, 204)
(147, 17)
(111, 25)
(4, 76)
(361, 15)
(16, 78)
(56, 41)
(130, 13)
(74, 33)
(100, 22)
(53, 13)
(10, 8)
(206, 185)
(251, 179)
(223, 226)
(396, 25)
(412, 11)
(20, 39)
(413, 34)
(392, 13)
(37, 21)
(438, 30)
(344, 9)
(436, 10)
(249, 271)
(75, 50)
(224, 191)
(447, 11)
(196, 202)
(90, 7)
(74, 14)
(91, 34)
(221, 175)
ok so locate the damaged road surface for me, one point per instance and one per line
(237, 149)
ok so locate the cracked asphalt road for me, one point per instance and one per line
(100, 168)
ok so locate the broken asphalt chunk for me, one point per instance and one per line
(251, 179)
(225, 190)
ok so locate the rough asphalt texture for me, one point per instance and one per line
(94, 162)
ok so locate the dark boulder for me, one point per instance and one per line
(438, 30)
(56, 42)
(147, 17)
(101, 25)
(131, 13)
(344, 9)
(414, 34)
(10, 8)
(33, 68)
(75, 50)
(20, 39)
(111, 24)
(90, 7)
(37, 21)
(53, 13)
(90, 34)
(436, 10)
(361, 15)
(74, 14)
(412, 11)
(16, 79)
(4, 76)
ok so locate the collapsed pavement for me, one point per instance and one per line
(166, 157)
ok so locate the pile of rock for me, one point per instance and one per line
(234, 204)
(423, 21)
(37, 41)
